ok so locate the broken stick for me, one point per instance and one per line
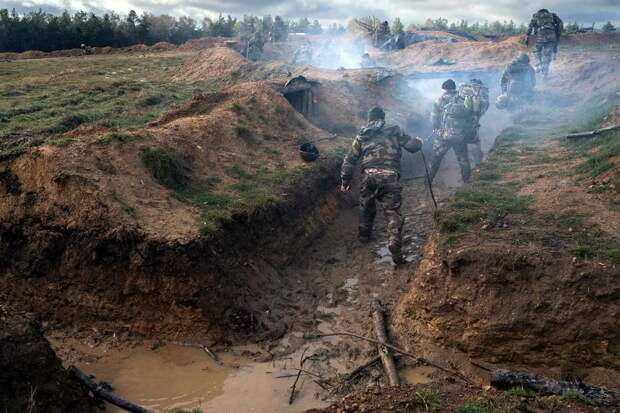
(506, 379)
(101, 393)
(593, 133)
(378, 316)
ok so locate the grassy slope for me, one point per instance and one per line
(43, 98)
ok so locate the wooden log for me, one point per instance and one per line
(378, 316)
(593, 133)
(100, 393)
(506, 379)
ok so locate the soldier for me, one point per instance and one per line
(379, 147)
(547, 28)
(279, 31)
(451, 120)
(367, 61)
(518, 82)
(480, 104)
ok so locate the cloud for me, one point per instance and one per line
(342, 10)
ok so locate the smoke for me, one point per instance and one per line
(332, 52)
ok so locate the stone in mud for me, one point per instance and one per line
(32, 378)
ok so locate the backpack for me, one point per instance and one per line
(479, 98)
(457, 116)
(546, 22)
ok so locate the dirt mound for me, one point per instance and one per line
(137, 48)
(465, 55)
(32, 378)
(217, 64)
(204, 43)
(163, 46)
(98, 218)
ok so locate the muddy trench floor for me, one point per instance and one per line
(335, 282)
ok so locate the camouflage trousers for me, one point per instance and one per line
(441, 147)
(544, 56)
(385, 189)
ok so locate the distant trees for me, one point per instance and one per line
(397, 26)
(495, 28)
(608, 28)
(220, 27)
(43, 31)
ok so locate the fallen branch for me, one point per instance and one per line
(506, 379)
(593, 133)
(101, 393)
(353, 373)
(378, 316)
(302, 360)
(393, 348)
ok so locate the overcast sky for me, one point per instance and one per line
(582, 11)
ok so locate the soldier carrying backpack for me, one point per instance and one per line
(479, 95)
(452, 119)
(547, 28)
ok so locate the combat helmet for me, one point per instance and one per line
(524, 58)
(376, 113)
(449, 85)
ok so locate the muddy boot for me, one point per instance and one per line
(397, 255)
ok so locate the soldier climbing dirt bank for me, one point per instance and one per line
(518, 82)
(546, 27)
(379, 147)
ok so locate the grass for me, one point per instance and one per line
(471, 407)
(245, 133)
(44, 97)
(600, 154)
(167, 167)
(430, 399)
(572, 395)
(114, 136)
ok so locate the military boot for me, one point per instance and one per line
(397, 255)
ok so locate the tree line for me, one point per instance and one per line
(43, 31)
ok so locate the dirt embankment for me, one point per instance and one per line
(32, 378)
(180, 227)
(523, 271)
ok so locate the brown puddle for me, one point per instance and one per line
(176, 376)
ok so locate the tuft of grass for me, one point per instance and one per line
(113, 136)
(179, 410)
(210, 199)
(430, 399)
(574, 396)
(167, 167)
(207, 228)
(236, 107)
(61, 142)
(245, 133)
(520, 391)
(601, 158)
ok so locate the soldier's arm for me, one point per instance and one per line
(505, 80)
(436, 115)
(348, 165)
(532, 27)
(410, 144)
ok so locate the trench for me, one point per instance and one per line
(332, 284)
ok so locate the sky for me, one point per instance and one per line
(410, 11)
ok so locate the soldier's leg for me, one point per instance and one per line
(547, 57)
(462, 156)
(477, 153)
(368, 208)
(390, 197)
(440, 148)
(539, 56)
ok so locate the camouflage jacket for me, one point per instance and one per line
(518, 79)
(452, 115)
(546, 26)
(438, 108)
(378, 146)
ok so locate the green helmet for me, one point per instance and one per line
(524, 58)
(376, 113)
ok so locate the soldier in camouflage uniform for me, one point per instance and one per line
(279, 30)
(518, 81)
(480, 104)
(547, 28)
(451, 120)
(379, 147)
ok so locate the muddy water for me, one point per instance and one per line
(175, 376)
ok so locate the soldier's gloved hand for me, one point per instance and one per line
(345, 187)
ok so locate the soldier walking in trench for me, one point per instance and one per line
(479, 94)
(379, 148)
(547, 28)
(451, 117)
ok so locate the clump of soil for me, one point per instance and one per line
(32, 378)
